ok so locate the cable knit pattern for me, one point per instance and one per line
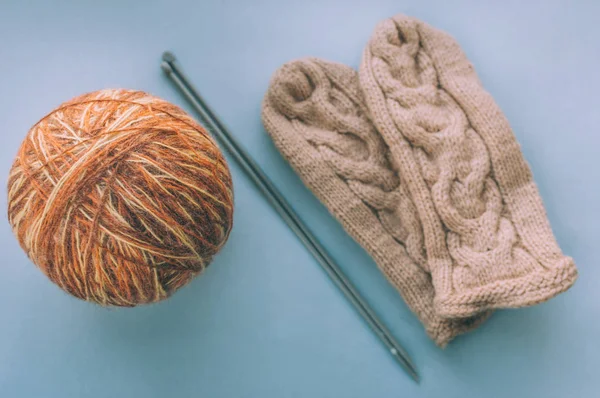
(316, 115)
(487, 240)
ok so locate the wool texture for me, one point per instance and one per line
(315, 113)
(119, 197)
(420, 166)
(487, 239)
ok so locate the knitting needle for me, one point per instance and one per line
(174, 72)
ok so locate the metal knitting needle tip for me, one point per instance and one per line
(409, 367)
(166, 67)
(168, 56)
(286, 212)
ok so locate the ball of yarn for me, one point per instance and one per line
(119, 197)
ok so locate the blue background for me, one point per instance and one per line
(264, 320)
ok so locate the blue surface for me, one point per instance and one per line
(264, 320)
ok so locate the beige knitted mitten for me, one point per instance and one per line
(315, 114)
(488, 243)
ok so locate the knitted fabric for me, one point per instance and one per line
(487, 240)
(315, 113)
(420, 166)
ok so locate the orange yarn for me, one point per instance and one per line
(119, 197)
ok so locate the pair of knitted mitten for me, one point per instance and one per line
(419, 165)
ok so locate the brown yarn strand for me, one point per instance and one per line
(119, 197)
